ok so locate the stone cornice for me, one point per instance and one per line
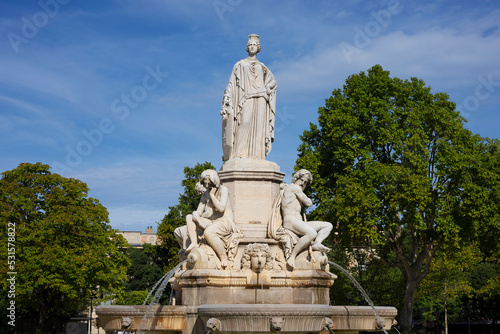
(247, 175)
(267, 310)
(240, 278)
(140, 310)
(363, 311)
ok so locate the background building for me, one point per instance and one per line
(136, 238)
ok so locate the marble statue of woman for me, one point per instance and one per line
(181, 233)
(248, 107)
(215, 218)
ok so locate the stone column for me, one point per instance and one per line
(253, 187)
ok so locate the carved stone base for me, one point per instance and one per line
(251, 318)
(203, 257)
(253, 186)
(206, 286)
(117, 317)
(296, 318)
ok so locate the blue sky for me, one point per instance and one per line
(124, 94)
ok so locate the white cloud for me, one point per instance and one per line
(451, 58)
(27, 75)
(22, 104)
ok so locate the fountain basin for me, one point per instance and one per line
(361, 318)
(167, 318)
(248, 318)
(258, 318)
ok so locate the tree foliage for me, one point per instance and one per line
(176, 216)
(461, 285)
(439, 297)
(144, 272)
(383, 284)
(65, 249)
(395, 166)
(136, 297)
(145, 269)
(484, 301)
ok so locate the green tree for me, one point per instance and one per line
(176, 216)
(132, 297)
(485, 280)
(394, 165)
(65, 249)
(145, 269)
(382, 283)
(439, 295)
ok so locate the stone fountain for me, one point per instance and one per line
(254, 264)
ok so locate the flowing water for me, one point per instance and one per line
(262, 289)
(147, 319)
(259, 279)
(363, 292)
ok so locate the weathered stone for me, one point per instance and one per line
(249, 107)
(253, 186)
(250, 318)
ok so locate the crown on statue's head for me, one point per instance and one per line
(253, 38)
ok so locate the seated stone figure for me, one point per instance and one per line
(181, 233)
(215, 218)
(287, 224)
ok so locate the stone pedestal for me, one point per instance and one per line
(234, 287)
(253, 186)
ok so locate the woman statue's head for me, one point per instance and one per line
(253, 40)
(209, 178)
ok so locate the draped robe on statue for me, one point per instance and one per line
(248, 129)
